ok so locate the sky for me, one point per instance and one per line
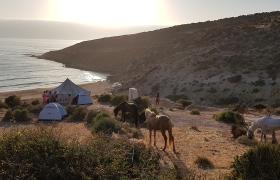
(118, 13)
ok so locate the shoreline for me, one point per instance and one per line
(96, 88)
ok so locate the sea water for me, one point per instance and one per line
(20, 71)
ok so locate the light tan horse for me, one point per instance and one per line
(159, 123)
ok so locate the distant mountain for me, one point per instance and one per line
(232, 60)
(61, 30)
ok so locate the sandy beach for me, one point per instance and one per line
(95, 88)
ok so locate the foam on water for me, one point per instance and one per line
(19, 71)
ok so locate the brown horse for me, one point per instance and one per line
(162, 123)
(126, 107)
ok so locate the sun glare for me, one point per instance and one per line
(108, 12)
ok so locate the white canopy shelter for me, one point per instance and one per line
(132, 94)
(84, 99)
(69, 90)
(52, 111)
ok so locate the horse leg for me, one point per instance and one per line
(171, 140)
(150, 142)
(274, 140)
(136, 120)
(264, 135)
(165, 139)
(155, 138)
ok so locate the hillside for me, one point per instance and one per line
(218, 62)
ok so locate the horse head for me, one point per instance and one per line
(250, 132)
(116, 111)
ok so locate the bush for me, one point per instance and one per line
(3, 105)
(35, 109)
(142, 103)
(8, 116)
(12, 101)
(230, 117)
(78, 114)
(260, 107)
(184, 103)
(204, 163)
(35, 102)
(101, 115)
(91, 115)
(105, 98)
(262, 162)
(70, 109)
(21, 115)
(106, 126)
(41, 154)
(116, 100)
(177, 97)
(131, 132)
(195, 112)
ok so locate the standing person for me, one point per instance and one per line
(157, 99)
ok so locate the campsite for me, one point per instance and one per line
(142, 89)
(196, 136)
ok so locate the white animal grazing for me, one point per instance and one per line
(267, 125)
(162, 123)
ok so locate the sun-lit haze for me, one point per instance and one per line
(116, 13)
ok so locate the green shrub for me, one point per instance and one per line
(105, 98)
(3, 105)
(195, 112)
(35, 102)
(41, 154)
(142, 103)
(105, 125)
(70, 109)
(230, 117)
(9, 116)
(116, 100)
(101, 115)
(185, 103)
(177, 97)
(21, 115)
(91, 116)
(12, 101)
(78, 114)
(204, 163)
(35, 109)
(262, 162)
(131, 132)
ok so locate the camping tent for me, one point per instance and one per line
(52, 111)
(84, 99)
(132, 94)
(67, 91)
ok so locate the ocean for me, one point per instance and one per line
(20, 71)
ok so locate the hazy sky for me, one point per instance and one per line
(132, 12)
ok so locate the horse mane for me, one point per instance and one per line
(149, 113)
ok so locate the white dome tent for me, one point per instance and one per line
(67, 91)
(52, 111)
